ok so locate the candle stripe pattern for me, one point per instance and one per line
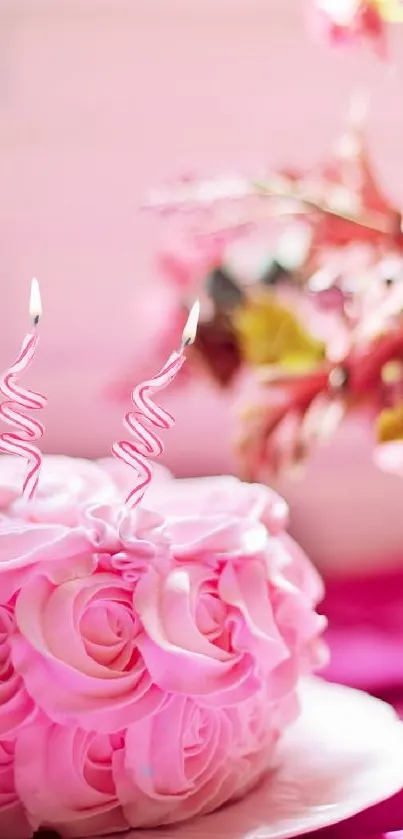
(141, 422)
(19, 442)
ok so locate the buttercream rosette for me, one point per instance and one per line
(149, 660)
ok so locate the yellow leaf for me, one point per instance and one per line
(269, 333)
(389, 426)
(390, 10)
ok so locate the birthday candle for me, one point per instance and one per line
(147, 415)
(27, 429)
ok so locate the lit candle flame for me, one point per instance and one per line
(35, 303)
(189, 332)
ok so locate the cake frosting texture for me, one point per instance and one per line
(149, 661)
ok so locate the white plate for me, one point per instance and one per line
(343, 755)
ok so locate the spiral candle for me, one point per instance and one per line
(19, 441)
(147, 443)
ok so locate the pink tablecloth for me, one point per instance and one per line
(366, 640)
(384, 820)
(366, 634)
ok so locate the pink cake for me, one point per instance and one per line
(149, 662)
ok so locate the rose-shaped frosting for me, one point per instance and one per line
(16, 706)
(149, 659)
(217, 632)
(190, 759)
(77, 648)
(65, 777)
(27, 552)
(14, 823)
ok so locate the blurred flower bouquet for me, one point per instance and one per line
(316, 314)
(350, 22)
(300, 274)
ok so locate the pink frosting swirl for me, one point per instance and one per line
(78, 648)
(65, 484)
(217, 633)
(203, 759)
(219, 512)
(149, 661)
(223, 495)
(16, 706)
(27, 550)
(77, 792)
(14, 823)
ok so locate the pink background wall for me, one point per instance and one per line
(98, 100)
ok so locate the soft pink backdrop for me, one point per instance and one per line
(99, 99)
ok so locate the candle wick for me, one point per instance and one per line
(189, 332)
(36, 320)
